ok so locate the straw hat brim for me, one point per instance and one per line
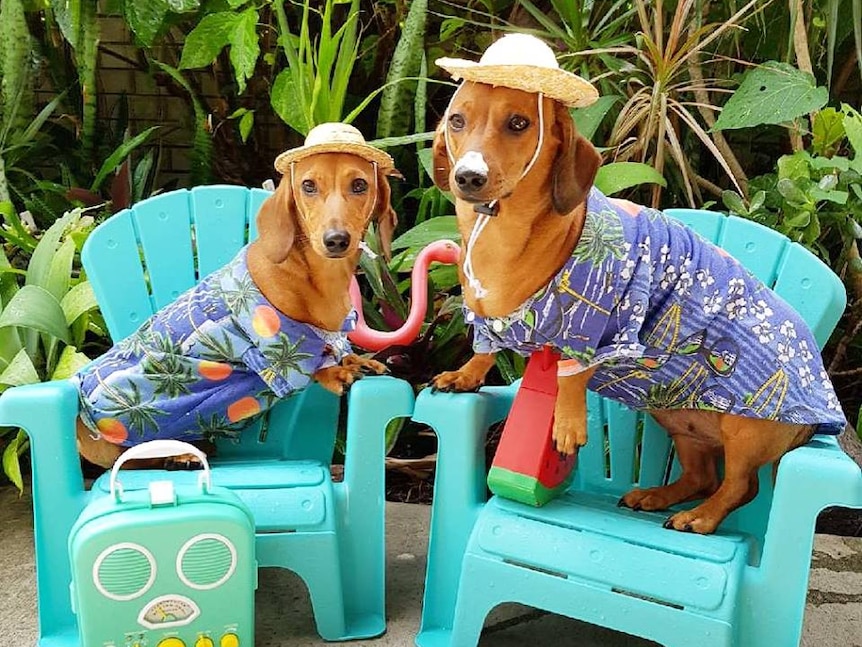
(560, 85)
(383, 160)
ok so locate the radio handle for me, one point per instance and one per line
(160, 449)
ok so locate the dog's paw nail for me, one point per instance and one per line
(668, 523)
(368, 370)
(637, 507)
(622, 502)
(688, 528)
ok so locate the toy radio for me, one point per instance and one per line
(172, 565)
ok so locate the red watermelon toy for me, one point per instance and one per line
(527, 467)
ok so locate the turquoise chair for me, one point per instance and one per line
(581, 556)
(331, 534)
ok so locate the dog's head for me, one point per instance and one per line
(493, 134)
(327, 200)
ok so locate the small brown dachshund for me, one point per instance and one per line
(526, 193)
(290, 316)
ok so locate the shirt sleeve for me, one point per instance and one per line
(483, 341)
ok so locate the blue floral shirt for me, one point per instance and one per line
(218, 355)
(674, 323)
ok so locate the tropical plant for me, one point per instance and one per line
(48, 315)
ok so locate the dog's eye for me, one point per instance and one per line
(518, 123)
(359, 186)
(309, 187)
(456, 121)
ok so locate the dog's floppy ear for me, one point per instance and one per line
(276, 223)
(575, 166)
(440, 157)
(387, 219)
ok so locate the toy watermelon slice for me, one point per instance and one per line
(527, 467)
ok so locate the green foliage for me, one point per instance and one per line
(772, 93)
(45, 320)
(814, 196)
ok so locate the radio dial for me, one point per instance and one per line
(229, 640)
(171, 642)
(203, 641)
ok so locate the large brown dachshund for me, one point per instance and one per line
(287, 301)
(535, 221)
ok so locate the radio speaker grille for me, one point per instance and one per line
(207, 562)
(124, 572)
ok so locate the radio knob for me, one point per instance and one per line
(229, 640)
(171, 642)
(203, 641)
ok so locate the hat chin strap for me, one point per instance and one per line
(363, 246)
(489, 210)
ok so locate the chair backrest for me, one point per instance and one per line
(143, 258)
(635, 451)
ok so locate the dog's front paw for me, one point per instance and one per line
(699, 520)
(458, 381)
(183, 462)
(365, 365)
(337, 379)
(569, 436)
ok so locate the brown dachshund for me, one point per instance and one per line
(536, 220)
(302, 263)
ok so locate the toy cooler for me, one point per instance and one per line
(168, 566)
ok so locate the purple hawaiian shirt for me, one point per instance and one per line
(674, 323)
(218, 355)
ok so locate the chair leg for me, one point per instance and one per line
(470, 617)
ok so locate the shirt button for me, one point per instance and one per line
(470, 316)
(497, 325)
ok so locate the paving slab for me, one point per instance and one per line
(833, 615)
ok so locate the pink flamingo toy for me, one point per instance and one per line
(443, 251)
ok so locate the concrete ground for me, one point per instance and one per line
(833, 615)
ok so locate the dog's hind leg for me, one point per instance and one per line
(748, 444)
(699, 477)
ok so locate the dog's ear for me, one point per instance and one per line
(387, 219)
(440, 157)
(276, 223)
(575, 166)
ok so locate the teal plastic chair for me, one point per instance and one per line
(581, 556)
(331, 534)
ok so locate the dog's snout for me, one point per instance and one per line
(336, 241)
(471, 172)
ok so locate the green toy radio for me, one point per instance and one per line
(172, 565)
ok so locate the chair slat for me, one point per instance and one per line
(590, 469)
(622, 431)
(655, 452)
(164, 225)
(813, 290)
(758, 248)
(255, 199)
(219, 215)
(707, 223)
(112, 259)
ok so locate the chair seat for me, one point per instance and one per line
(628, 552)
(282, 495)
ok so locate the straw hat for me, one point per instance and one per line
(523, 62)
(333, 138)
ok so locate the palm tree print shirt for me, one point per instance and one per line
(673, 321)
(221, 353)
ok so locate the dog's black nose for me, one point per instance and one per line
(470, 180)
(336, 241)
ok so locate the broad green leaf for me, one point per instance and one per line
(794, 167)
(11, 464)
(35, 308)
(285, 102)
(211, 35)
(393, 430)
(19, 371)
(59, 275)
(77, 301)
(617, 176)
(772, 93)
(853, 127)
(734, 202)
(68, 16)
(116, 158)
(798, 220)
(791, 192)
(837, 197)
(391, 142)
(440, 228)
(145, 18)
(246, 123)
(827, 129)
(183, 6)
(70, 362)
(588, 120)
(244, 47)
(39, 267)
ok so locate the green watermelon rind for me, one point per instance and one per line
(522, 488)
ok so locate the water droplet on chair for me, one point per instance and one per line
(219, 203)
